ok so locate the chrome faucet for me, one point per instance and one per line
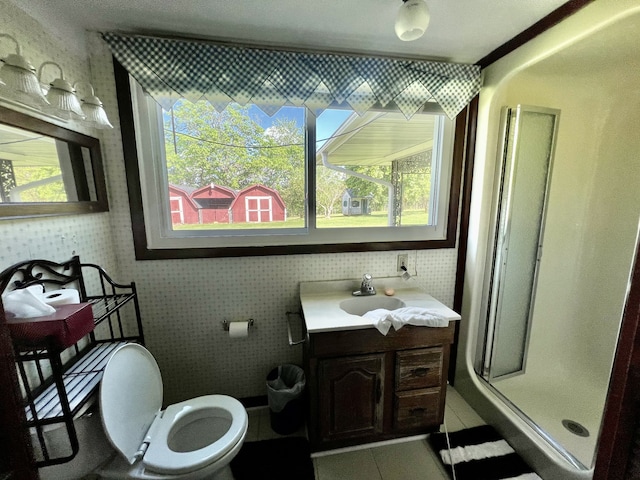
(366, 288)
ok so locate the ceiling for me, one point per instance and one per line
(460, 30)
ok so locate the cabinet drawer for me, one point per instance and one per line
(421, 368)
(417, 409)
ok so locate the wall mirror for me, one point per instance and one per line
(47, 170)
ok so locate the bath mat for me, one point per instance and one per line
(282, 458)
(480, 453)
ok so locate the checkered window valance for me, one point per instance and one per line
(170, 69)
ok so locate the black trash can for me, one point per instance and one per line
(285, 386)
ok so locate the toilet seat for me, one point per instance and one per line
(160, 458)
(130, 407)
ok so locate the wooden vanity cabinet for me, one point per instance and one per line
(366, 387)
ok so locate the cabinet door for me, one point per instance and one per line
(351, 393)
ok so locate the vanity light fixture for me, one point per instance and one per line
(61, 95)
(20, 84)
(412, 20)
(18, 80)
(94, 112)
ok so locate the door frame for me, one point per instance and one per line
(620, 428)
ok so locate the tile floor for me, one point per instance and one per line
(410, 460)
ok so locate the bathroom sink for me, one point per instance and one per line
(329, 306)
(361, 305)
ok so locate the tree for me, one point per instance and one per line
(231, 149)
(330, 186)
(210, 147)
(50, 192)
(416, 187)
(416, 190)
(379, 193)
(284, 163)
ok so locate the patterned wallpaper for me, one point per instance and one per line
(54, 238)
(184, 302)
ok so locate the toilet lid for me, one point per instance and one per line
(130, 397)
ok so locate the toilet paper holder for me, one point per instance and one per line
(225, 323)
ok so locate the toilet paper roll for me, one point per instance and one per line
(238, 329)
(64, 296)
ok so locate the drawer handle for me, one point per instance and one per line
(417, 411)
(420, 371)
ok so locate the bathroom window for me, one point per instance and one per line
(338, 127)
(237, 181)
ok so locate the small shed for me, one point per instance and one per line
(257, 204)
(354, 204)
(183, 209)
(214, 202)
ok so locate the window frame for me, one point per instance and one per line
(138, 214)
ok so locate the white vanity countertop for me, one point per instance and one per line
(321, 303)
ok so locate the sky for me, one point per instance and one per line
(327, 123)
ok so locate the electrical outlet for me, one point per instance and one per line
(403, 260)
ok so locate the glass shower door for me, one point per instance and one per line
(529, 135)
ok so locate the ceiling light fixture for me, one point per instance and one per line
(412, 20)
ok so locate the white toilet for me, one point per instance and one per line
(190, 440)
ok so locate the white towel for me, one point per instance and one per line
(382, 318)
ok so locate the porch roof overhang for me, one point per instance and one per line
(378, 138)
(27, 149)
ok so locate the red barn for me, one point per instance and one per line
(214, 202)
(256, 204)
(183, 209)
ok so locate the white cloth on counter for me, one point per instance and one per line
(382, 318)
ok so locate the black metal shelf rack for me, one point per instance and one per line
(59, 384)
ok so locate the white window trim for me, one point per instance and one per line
(157, 217)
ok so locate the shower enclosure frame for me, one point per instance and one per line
(500, 226)
(622, 413)
(501, 222)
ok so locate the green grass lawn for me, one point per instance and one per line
(376, 219)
